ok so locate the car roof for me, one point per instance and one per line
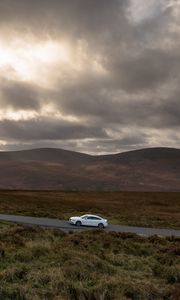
(90, 215)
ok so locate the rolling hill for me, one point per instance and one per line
(152, 169)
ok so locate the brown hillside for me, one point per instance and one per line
(153, 169)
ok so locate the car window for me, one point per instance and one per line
(93, 218)
(90, 217)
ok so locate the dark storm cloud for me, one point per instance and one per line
(19, 95)
(47, 129)
(169, 112)
(138, 87)
(75, 17)
(146, 71)
(109, 108)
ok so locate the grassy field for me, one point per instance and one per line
(49, 264)
(132, 208)
(38, 263)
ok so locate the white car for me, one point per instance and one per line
(89, 220)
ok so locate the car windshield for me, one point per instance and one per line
(84, 216)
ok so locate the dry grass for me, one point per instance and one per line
(132, 208)
(94, 265)
(37, 263)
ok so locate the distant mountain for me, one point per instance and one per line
(152, 169)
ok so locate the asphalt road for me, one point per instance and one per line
(63, 225)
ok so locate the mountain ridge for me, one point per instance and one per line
(147, 169)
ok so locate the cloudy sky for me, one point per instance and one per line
(95, 76)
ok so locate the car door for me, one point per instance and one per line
(96, 221)
(84, 220)
(90, 221)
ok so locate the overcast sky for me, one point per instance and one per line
(96, 76)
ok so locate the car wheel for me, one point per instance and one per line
(100, 226)
(78, 223)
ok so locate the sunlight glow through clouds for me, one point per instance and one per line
(24, 61)
(47, 62)
(46, 111)
(17, 115)
(49, 110)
